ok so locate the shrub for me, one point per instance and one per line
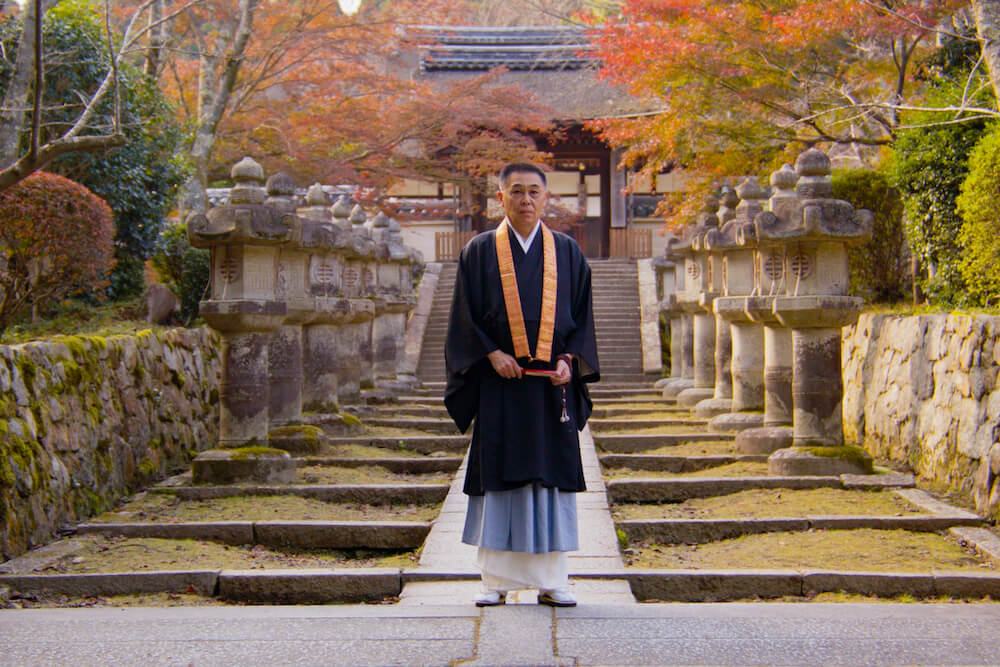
(185, 270)
(56, 237)
(980, 234)
(879, 268)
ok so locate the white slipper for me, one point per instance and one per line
(559, 597)
(491, 598)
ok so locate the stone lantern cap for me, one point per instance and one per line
(342, 210)
(813, 214)
(316, 196)
(246, 220)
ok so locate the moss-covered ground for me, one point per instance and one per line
(365, 475)
(167, 508)
(707, 448)
(672, 429)
(737, 469)
(769, 503)
(82, 319)
(359, 451)
(845, 550)
(93, 553)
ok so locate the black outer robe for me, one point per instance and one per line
(518, 438)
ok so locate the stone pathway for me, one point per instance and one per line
(445, 555)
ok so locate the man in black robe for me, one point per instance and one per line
(522, 304)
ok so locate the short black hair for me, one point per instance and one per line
(521, 168)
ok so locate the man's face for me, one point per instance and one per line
(523, 198)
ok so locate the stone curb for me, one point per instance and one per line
(674, 490)
(227, 532)
(428, 444)
(668, 463)
(932, 505)
(985, 542)
(615, 423)
(342, 534)
(309, 586)
(620, 412)
(631, 444)
(117, 583)
(406, 494)
(431, 575)
(698, 531)
(297, 534)
(728, 585)
(442, 426)
(402, 465)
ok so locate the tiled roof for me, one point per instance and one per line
(446, 48)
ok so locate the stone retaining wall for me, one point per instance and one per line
(86, 419)
(924, 391)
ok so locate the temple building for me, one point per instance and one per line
(611, 208)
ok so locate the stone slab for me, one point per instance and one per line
(985, 542)
(342, 534)
(885, 481)
(880, 584)
(676, 464)
(699, 531)
(631, 444)
(418, 494)
(425, 444)
(713, 585)
(930, 504)
(961, 585)
(118, 583)
(228, 532)
(402, 465)
(309, 586)
(675, 490)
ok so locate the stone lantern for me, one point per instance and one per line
(285, 348)
(769, 281)
(322, 240)
(681, 321)
(354, 339)
(245, 306)
(666, 289)
(721, 400)
(815, 306)
(747, 336)
(698, 292)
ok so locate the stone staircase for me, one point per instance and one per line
(431, 367)
(616, 314)
(617, 318)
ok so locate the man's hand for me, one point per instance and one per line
(505, 365)
(565, 373)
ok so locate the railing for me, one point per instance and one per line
(448, 245)
(631, 243)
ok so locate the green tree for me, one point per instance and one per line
(979, 237)
(139, 179)
(878, 267)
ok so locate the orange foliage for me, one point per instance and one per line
(332, 98)
(56, 237)
(746, 84)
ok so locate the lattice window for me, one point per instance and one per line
(800, 266)
(772, 267)
(229, 270)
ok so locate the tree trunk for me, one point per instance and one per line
(157, 38)
(987, 17)
(214, 94)
(15, 101)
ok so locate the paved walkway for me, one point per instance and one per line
(648, 634)
(444, 552)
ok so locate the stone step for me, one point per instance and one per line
(423, 444)
(404, 465)
(700, 531)
(662, 490)
(623, 424)
(369, 494)
(283, 534)
(675, 464)
(633, 443)
(444, 426)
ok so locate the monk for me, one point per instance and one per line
(519, 353)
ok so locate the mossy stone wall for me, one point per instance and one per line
(924, 391)
(85, 420)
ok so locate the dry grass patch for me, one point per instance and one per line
(738, 469)
(359, 451)
(846, 550)
(670, 429)
(167, 508)
(97, 553)
(365, 475)
(707, 448)
(772, 503)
